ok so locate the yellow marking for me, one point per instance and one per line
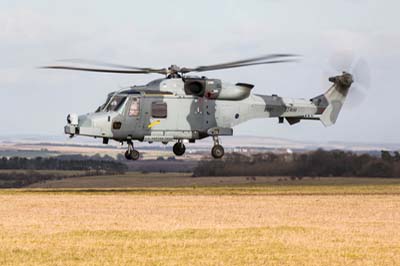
(152, 124)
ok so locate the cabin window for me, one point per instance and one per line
(134, 110)
(159, 109)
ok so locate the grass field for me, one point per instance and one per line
(237, 221)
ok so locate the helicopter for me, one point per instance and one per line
(183, 108)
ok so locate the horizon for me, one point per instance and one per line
(237, 141)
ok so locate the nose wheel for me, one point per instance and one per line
(179, 148)
(217, 150)
(131, 153)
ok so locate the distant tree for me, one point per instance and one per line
(63, 163)
(314, 164)
(121, 157)
(396, 156)
(385, 155)
(377, 169)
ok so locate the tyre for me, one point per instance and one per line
(128, 155)
(217, 152)
(132, 155)
(135, 155)
(179, 149)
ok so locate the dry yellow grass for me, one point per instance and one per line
(142, 228)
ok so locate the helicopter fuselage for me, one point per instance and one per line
(174, 109)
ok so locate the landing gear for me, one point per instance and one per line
(131, 153)
(217, 151)
(179, 148)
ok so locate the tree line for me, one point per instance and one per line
(13, 179)
(82, 163)
(317, 163)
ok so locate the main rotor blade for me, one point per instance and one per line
(107, 64)
(240, 63)
(216, 67)
(120, 71)
(124, 69)
(249, 60)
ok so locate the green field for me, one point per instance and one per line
(186, 184)
(15, 177)
(55, 172)
(202, 221)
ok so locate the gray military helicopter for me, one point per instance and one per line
(180, 107)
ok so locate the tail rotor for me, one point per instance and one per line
(349, 62)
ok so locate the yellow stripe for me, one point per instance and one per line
(157, 122)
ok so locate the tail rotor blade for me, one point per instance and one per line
(342, 61)
(356, 97)
(362, 73)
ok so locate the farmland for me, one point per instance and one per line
(202, 221)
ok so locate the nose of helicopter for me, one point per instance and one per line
(75, 123)
(92, 124)
(72, 124)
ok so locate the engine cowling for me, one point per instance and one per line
(215, 89)
(236, 92)
(195, 87)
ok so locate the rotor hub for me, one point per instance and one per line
(173, 69)
(345, 80)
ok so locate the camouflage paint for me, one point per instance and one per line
(216, 112)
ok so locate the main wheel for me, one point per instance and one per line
(179, 149)
(132, 155)
(217, 152)
(128, 155)
(135, 155)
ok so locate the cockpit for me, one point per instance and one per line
(113, 103)
(116, 100)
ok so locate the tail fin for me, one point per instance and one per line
(330, 103)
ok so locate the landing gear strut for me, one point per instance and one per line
(179, 148)
(131, 153)
(217, 150)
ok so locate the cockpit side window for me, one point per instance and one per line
(134, 109)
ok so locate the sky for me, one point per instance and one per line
(191, 33)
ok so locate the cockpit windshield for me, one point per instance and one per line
(113, 103)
